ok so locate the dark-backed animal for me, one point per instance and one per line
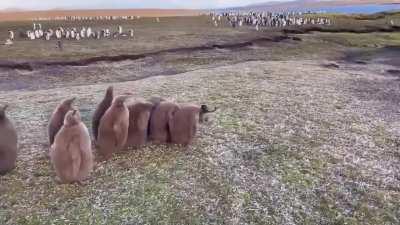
(8, 143)
(100, 110)
(113, 128)
(159, 129)
(57, 118)
(71, 154)
(139, 116)
(183, 124)
(155, 101)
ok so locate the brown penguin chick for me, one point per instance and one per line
(139, 116)
(155, 101)
(8, 143)
(57, 118)
(113, 128)
(163, 112)
(183, 125)
(71, 154)
(100, 110)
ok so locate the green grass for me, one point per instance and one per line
(171, 32)
(373, 40)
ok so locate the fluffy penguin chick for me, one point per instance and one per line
(183, 124)
(100, 110)
(71, 154)
(57, 118)
(139, 116)
(159, 130)
(8, 143)
(113, 128)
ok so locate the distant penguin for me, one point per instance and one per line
(8, 143)
(113, 128)
(71, 154)
(57, 118)
(159, 130)
(60, 45)
(11, 35)
(139, 116)
(101, 109)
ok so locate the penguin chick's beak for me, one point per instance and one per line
(205, 109)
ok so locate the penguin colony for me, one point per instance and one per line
(118, 123)
(267, 19)
(256, 20)
(234, 19)
(71, 33)
(38, 32)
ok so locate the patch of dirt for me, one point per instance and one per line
(117, 58)
(393, 72)
(165, 63)
(389, 55)
(331, 65)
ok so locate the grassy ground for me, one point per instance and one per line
(150, 36)
(293, 142)
(374, 40)
(171, 32)
(287, 147)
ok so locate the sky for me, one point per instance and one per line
(120, 4)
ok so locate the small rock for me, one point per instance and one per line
(8, 42)
(360, 62)
(331, 65)
(296, 39)
(393, 72)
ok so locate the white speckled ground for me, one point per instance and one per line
(292, 143)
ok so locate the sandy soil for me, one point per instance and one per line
(31, 15)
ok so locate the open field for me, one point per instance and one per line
(150, 36)
(307, 130)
